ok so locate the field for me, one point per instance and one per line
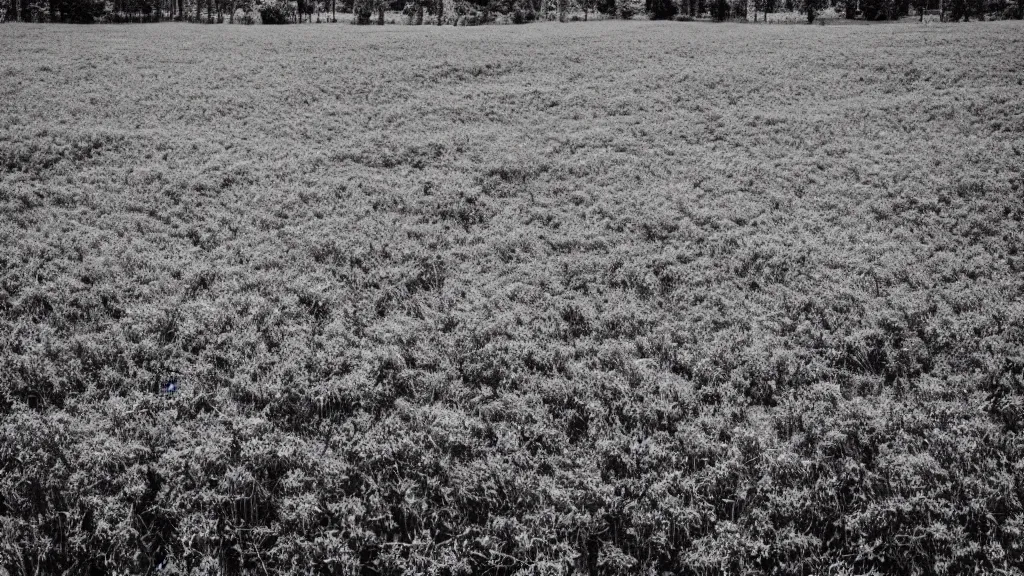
(605, 298)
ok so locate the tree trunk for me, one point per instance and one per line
(418, 20)
(199, 11)
(380, 15)
(333, 17)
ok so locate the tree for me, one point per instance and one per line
(660, 9)
(720, 9)
(957, 10)
(363, 11)
(273, 14)
(606, 7)
(81, 11)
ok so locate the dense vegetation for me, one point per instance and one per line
(615, 298)
(473, 12)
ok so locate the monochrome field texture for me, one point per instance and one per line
(596, 298)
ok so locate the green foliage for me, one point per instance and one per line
(702, 303)
(660, 9)
(81, 11)
(625, 9)
(274, 15)
(873, 9)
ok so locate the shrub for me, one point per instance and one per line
(872, 9)
(273, 15)
(720, 9)
(83, 11)
(660, 9)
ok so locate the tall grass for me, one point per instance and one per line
(614, 298)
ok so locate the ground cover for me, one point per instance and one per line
(607, 297)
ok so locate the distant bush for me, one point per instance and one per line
(872, 9)
(660, 9)
(273, 15)
(720, 9)
(957, 10)
(82, 11)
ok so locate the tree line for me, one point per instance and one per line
(471, 12)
